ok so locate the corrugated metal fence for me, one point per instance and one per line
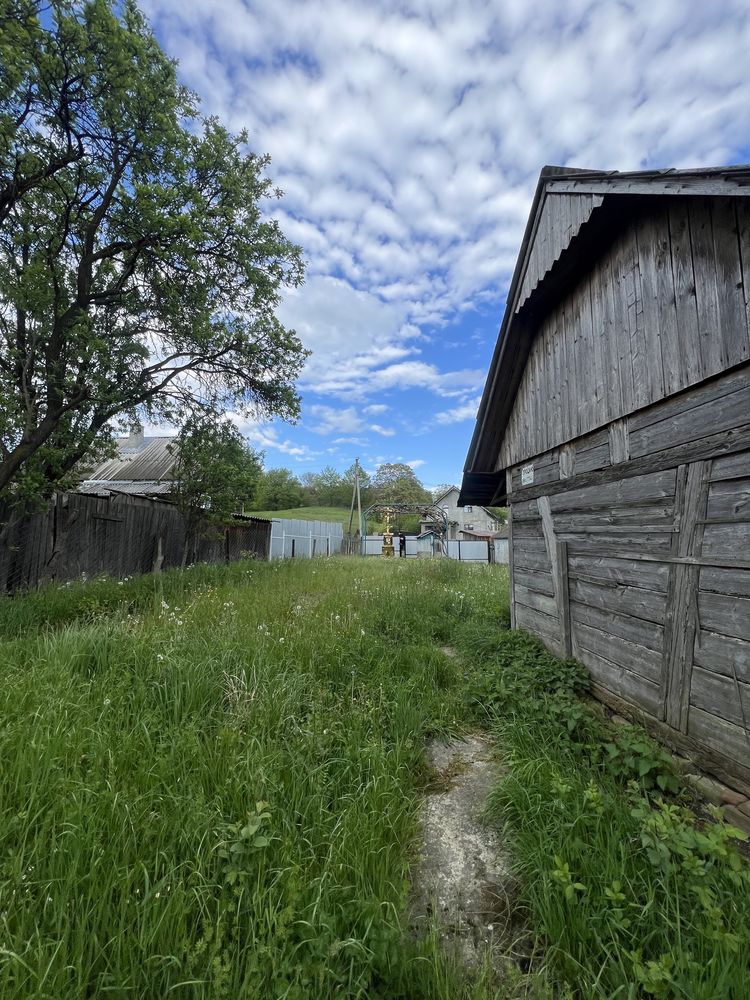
(464, 551)
(296, 539)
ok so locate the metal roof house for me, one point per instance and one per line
(615, 424)
(464, 520)
(142, 467)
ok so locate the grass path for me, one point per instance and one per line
(211, 780)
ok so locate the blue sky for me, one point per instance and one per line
(408, 138)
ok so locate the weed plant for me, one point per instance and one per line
(632, 895)
(209, 780)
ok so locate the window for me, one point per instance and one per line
(468, 510)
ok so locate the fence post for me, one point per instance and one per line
(283, 544)
(328, 545)
(310, 548)
(293, 541)
(459, 550)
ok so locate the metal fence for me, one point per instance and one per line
(297, 539)
(464, 551)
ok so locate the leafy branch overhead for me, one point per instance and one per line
(138, 271)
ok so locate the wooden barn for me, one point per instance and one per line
(615, 424)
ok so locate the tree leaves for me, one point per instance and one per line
(138, 273)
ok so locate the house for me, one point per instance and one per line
(615, 424)
(468, 520)
(142, 467)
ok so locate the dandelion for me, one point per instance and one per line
(165, 605)
(107, 701)
(159, 656)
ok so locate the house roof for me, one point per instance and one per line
(446, 492)
(148, 461)
(458, 490)
(597, 202)
(139, 488)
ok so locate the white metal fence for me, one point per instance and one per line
(463, 551)
(297, 539)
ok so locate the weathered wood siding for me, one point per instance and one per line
(120, 535)
(666, 307)
(631, 550)
(560, 220)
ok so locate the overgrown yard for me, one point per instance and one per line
(210, 784)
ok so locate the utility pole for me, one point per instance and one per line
(359, 499)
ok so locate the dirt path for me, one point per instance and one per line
(462, 880)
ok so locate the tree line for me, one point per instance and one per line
(394, 482)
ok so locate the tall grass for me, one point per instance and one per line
(631, 893)
(209, 780)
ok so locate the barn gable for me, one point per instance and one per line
(616, 423)
(639, 320)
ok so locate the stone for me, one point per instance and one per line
(735, 817)
(463, 880)
(715, 791)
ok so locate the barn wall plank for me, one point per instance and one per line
(664, 309)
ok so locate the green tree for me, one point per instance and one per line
(332, 489)
(138, 274)
(278, 489)
(501, 513)
(395, 482)
(215, 475)
(439, 491)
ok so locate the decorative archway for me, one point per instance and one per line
(426, 511)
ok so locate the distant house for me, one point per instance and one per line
(615, 425)
(468, 521)
(143, 466)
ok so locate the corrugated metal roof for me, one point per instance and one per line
(143, 488)
(151, 462)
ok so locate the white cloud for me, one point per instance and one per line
(415, 463)
(329, 420)
(266, 437)
(408, 136)
(464, 411)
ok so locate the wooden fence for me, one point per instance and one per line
(120, 535)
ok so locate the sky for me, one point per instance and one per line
(408, 138)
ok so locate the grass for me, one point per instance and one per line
(630, 892)
(334, 515)
(210, 780)
(210, 783)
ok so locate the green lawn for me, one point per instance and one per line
(333, 514)
(210, 782)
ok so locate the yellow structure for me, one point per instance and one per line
(388, 535)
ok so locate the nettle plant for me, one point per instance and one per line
(632, 755)
(242, 841)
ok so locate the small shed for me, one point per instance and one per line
(615, 425)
